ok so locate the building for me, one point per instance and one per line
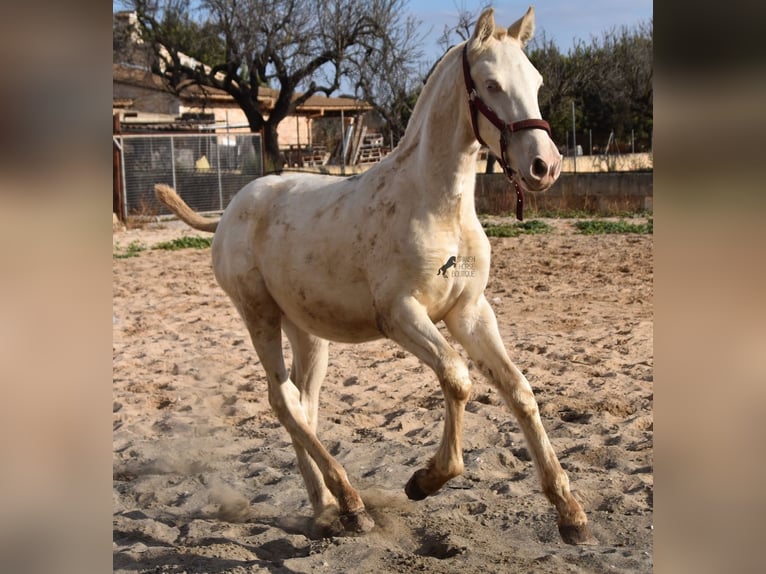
(144, 103)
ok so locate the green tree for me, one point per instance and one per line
(609, 79)
(555, 95)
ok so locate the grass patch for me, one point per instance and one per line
(530, 227)
(132, 250)
(597, 227)
(187, 242)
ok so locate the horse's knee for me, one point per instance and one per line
(455, 380)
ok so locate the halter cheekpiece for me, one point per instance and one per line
(476, 106)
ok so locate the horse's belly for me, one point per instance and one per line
(336, 308)
(331, 319)
(341, 329)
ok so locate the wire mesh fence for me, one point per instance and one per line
(206, 170)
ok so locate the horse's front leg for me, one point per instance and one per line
(408, 324)
(476, 329)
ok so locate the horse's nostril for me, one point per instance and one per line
(539, 168)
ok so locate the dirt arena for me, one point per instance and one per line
(205, 478)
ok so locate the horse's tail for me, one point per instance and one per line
(169, 197)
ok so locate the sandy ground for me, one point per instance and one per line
(205, 479)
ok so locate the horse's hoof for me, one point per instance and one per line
(578, 534)
(412, 488)
(326, 525)
(321, 530)
(357, 522)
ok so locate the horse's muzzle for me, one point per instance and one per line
(543, 172)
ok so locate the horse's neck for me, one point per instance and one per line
(440, 140)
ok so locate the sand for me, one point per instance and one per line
(205, 478)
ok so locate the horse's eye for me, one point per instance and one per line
(492, 86)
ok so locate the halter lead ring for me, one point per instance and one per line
(476, 106)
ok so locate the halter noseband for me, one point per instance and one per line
(477, 105)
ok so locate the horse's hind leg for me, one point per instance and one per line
(263, 319)
(308, 371)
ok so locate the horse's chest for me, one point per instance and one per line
(446, 275)
(458, 276)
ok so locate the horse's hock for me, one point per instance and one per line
(598, 193)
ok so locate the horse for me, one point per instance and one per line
(301, 253)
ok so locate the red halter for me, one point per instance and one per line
(477, 105)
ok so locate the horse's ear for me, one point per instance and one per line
(485, 27)
(523, 28)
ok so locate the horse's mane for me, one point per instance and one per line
(428, 87)
(499, 34)
(436, 63)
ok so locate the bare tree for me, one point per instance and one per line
(463, 28)
(128, 45)
(298, 47)
(386, 72)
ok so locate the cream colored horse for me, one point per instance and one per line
(355, 259)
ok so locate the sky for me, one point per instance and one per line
(563, 21)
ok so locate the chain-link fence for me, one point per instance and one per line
(206, 170)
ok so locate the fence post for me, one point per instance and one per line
(124, 181)
(218, 167)
(342, 143)
(117, 187)
(173, 160)
(263, 156)
(574, 140)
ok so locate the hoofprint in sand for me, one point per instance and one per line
(205, 478)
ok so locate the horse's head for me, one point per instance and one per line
(504, 106)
